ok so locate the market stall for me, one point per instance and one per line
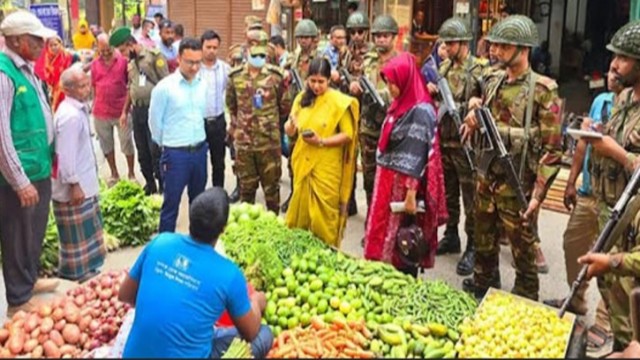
(321, 303)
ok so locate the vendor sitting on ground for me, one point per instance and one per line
(180, 286)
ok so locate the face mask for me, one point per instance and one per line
(257, 61)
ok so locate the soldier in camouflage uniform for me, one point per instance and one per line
(145, 69)
(526, 107)
(384, 31)
(256, 99)
(306, 33)
(612, 163)
(463, 72)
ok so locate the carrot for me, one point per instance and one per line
(340, 323)
(366, 333)
(317, 323)
(356, 325)
(367, 354)
(351, 353)
(322, 333)
(311, 351)
(339, 343)
(329, 336)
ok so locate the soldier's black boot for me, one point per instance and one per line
(235, 195)
(465, 265)
(450, 243)
(469, 285)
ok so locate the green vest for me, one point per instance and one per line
(28, 126)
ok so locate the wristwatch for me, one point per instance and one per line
(615, 261)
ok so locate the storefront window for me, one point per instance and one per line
(401, 11)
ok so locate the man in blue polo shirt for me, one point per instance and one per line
(180, 286)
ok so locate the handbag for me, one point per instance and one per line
(411, 246)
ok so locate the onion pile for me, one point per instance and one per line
(69, 327)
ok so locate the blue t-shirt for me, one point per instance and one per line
(600, 107)
(183, 288)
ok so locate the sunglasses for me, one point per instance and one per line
(260, 56)
(359, 32)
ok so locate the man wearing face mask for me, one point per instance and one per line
(145, 69)
(306, 33)
(256, 100)
(384, 31)
(26, 153)
(463, 73)
(526, 108)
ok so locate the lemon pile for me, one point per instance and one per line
(507, 327)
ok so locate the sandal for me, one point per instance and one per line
(598, 340)
(112, 181)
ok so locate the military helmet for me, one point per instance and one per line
(626, 41)
(383, 24)
(306, 27)
(516, 30)
(357, 20)
(455, 29)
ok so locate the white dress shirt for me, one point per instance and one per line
(215, 78)
(74, 151)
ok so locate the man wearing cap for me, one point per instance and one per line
(26, 138)
(256, 100)
(166, 44)
(146, 68)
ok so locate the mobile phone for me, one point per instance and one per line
(307, 133)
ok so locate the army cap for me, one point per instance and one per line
(626, 41)
(384, 24)
(119, 36)
(235, 52)
(455, 29)
(306, 27)
(258, 50)
(253, 22)
(357, 20)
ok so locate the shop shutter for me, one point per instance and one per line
(183, 12)
(215, 15)
(239, 10)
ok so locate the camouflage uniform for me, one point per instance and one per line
(495, 200)
(464, 81)
(356, 56)
(608, 179)
(256, 132)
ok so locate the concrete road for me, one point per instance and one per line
(552, 225)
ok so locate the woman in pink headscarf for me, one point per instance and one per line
(409, 169)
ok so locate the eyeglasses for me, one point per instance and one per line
(191, 63)
(357, 31)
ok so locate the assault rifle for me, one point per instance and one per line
(450, 105)
(494, 145)
(621, 216)
(296, 80)
(368, 87)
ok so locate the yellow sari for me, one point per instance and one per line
(323, 176)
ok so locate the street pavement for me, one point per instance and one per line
(551, 227)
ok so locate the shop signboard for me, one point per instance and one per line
(50, 16)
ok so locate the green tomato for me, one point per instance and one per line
(323, 306)
(305, 319)
(313, 300)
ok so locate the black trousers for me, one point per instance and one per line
(148, 151)
(216, 129)
(21, 234)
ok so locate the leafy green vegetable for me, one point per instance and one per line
(128, 214)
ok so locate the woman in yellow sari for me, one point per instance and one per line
(325, 121)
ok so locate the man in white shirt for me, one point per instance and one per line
(75, 182)
(214, 72)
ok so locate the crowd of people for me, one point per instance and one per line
(326, 109)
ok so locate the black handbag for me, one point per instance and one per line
(411, 246)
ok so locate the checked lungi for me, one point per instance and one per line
(82, 248)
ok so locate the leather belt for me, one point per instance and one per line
(189, 148)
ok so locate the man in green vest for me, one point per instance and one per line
(26, 138)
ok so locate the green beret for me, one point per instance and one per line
(119, 36)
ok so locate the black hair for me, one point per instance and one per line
(158, 14)
(179, 29)
(352, 6)
(131, 40)
(336, 28)
(277, 40)
(319, 66)
(208, 215)
(209, 35)
(189, 44)
(165, 24)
